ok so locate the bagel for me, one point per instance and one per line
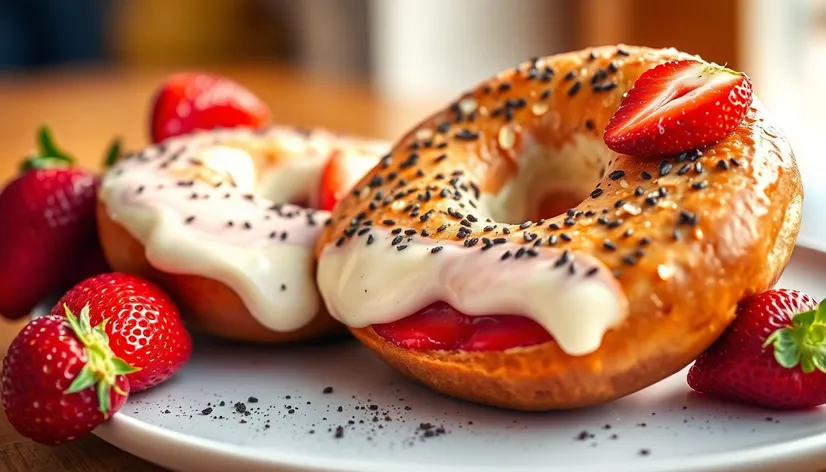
(207, 216)
(507, 210)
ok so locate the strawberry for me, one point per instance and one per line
(190, 101)
(46, 214)
(340, 174)
(773, 354)
(144, 326)
(60, 379)
(679, 106)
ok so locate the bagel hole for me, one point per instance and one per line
(549, 180)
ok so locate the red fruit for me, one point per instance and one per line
(190, 101)
(440, 326)
(773, 354)
(46, 214)
(60, 379)
(144, 325)
(679, 106)
(340, 174)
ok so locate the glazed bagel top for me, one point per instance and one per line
(214, 204)
(455, 212)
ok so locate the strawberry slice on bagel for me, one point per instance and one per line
(505, 254)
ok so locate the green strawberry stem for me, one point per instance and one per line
(113, 154)
(102, 367)
(48, 154)
(804, 342)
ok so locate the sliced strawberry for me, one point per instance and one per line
(679, 106)
(340, 174)
(442, 327)
(773, 354)
(190, 101)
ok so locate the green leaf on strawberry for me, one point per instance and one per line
(102, 366)
(48, 154)
(803, 343)
(113, 154)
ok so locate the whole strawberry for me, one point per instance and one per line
(190, 101)
(773, 355)
(679, 106)
(60, 380)
(144, 325)
(46, 214)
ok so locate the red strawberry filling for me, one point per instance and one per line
(440, 326)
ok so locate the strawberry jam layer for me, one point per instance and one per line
(441, 327)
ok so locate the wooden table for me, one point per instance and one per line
(86, 108)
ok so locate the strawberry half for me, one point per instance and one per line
(773, 355)
(61, 380)
(679, 106)
(190, 101)
(340, 174)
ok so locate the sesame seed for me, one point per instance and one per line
(699, 185)
(645, 175)
(734, 162)
(563, 259)
(401, 247)
(441, 228)
(616, 223)
(506, 255)
(566, 237)
(506, 230)
(722, 164)
(622, 52)
(465, 223)
(520, 252)
(676, 234)
(189, 219)
(525, 224)
(388, 222)
(370, 239)
(629, 260)
(604, 87)
(545, 94)
(665, 168)
(687, 217)
(504, 87)
(639, 191)
(396, 231)
(596, 193)
(574, 88)
(552, 240)
(466, 135)
(436, 249)
(570, 75)
(684, 169)
(441, 158)
(608, 244)
(698, 167)
(645, 241)
(628, 233)
(616, 175)
(592, 271)
(589, 125)
(363, 231)
(340, 241)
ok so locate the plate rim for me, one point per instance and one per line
(135, 437)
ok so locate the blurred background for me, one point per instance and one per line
(369, 66)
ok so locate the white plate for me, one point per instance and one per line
(292, 426)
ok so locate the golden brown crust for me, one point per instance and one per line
(723, 227)
(206, 303)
